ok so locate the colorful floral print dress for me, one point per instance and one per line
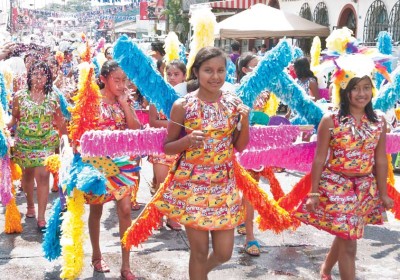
(348, 203)
(36, 138)
(203, 193)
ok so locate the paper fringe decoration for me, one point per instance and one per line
(390, 177)
(315, 52)
(182, 53)
(13, 217)
(142, 227)
(85, 113)
(274, 184)
(291, 200)
(86, 56)
(3, 93)
(272, 105)
(72, 239)
(126, 142)
(273, 216)
(6, 182)
(274, 62)
(171, 47)
(53, 164)
(51, 239)
(3, 135)
(141, 70)
(16, 171)
(150, 140)
(392, 143)
(85, 177)
(230, 72)
(388, 95)
(63, 104)
(397, 112)
(297, 157)
(203, 22)
(395, 195)
(100, 44)
(384, 46)
(297, 53)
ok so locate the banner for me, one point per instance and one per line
(152, 9)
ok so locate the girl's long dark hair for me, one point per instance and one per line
(302, 68)
(203, 55)
(108, 67)
(48, 87)
(344, 109)
(243, 61)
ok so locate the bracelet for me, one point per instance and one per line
(313, 194)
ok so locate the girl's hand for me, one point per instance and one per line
(244, 112)
(388, 203)
(196, 139)
(123, 99)
(312, 203)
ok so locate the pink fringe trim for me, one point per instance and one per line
(392, 143)
(6, 182)
(296, 157)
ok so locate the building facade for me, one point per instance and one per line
(365, 17)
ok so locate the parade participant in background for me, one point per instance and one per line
(175, 74)
(306, 78)
(117, 113)
(108, 53)
(349, 189)
(203, 178)
(245, 64)
(35, 111)
(235, 51)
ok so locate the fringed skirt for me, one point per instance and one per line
(122, 177)
(346, 205)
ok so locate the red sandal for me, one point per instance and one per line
(127, 275)
(99, 265)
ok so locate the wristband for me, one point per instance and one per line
(313, 194)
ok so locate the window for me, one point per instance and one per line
(305, 11)
(321, 14)
(394, 23)
(375, 21)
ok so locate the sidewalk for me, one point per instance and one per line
(165, 255)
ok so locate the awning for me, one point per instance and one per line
(235, 4)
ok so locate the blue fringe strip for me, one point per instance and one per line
(182, 53)
(51, 239)
(384, 46)
(96, 64)
(230, 71)
(3, 94)
(270, 75)
(297, 53)
(63, 104)
(389, 95)
(85, 177)
(3, 145)
(273, 64)
(140, 69)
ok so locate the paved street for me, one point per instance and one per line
(291, 255)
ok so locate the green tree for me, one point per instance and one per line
(178, 21)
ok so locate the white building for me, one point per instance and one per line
(365, 17)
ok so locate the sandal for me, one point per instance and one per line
(127, 275)
(326, 276)
(41, 224)
(30, 212)
(99, 265)
(135, 206)
(173, 225)
(241, 229)
(252, 248)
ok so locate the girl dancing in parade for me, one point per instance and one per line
(349, 189)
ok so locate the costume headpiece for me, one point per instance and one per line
(348, 60)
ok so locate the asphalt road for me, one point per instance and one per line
(290, 255)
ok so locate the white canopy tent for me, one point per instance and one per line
(262, 21)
